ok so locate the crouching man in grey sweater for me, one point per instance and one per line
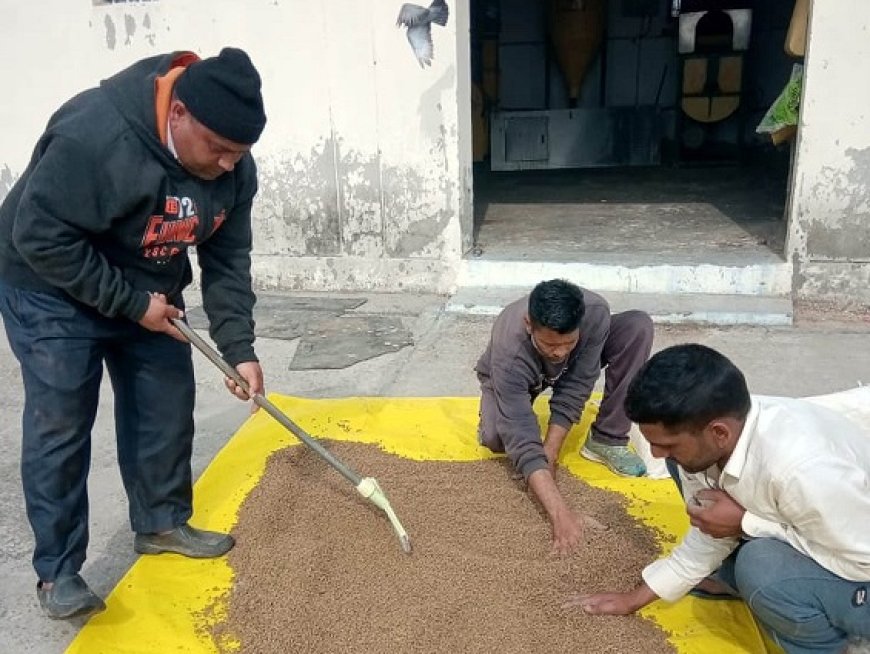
(560, 337)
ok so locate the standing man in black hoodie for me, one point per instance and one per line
(93, 261)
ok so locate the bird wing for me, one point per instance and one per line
(420, 38)
(410, 15)
(438, 12)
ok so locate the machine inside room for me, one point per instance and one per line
(623, 125)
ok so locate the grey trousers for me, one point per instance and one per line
(626, 349)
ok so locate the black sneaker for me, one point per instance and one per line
(68, 597)
(187, 541)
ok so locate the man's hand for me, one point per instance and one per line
(567, 532)
(252, 373)
(158, 314)
(612, 603)
(716, 514)
(566, 526)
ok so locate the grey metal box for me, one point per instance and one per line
(526, 139)
(576, 138)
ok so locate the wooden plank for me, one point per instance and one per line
(796, 37)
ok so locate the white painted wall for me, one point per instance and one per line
(365, 163)
(829, 237)
(363, 183)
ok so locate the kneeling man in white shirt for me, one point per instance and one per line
(778, 495)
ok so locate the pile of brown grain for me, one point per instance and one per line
(318, 569)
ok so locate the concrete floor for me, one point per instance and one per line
(818, 356)
(724, 215)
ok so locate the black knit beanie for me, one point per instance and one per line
(223, 93)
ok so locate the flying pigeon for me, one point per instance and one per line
(418, 20)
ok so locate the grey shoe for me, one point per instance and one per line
(187, 541)
(68, 597)
(618, 458)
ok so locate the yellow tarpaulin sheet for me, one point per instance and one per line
(165, 603)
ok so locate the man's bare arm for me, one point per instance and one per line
(553, 445)
(567, 527)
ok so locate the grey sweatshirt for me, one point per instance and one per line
(516, 373)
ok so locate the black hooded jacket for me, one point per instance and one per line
(104, 214)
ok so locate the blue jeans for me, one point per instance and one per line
(61, 346)
(804, 607)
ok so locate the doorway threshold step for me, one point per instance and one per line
(635, 274)
(666, 308)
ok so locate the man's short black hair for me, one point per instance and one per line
(685, 387)
(557, 305)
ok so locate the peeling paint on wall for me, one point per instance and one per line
(841, 233)
(430, 109)
(354, 274)
(360, 207)
(829, 234)
(297, 206)
(150, 35)
(137, 28)
(832, 280)
(411, 225)
(359, 180)
(129, 28)
(111, 38)
(861, 164)
(338, 201)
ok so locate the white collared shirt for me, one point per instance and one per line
(802, 472)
